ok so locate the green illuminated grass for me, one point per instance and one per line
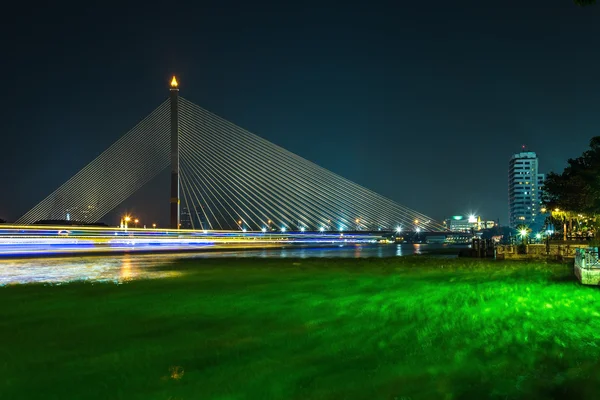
(402, 328)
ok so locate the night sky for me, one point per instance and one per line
(423, 102)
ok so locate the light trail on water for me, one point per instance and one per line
(65, 240)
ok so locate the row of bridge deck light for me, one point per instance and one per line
(322, 228)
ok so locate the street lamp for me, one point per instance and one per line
(136, 222)
(154, 226)
(523, 232)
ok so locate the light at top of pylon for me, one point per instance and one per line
(174, 82)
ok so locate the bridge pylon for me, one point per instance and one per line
(174, 99)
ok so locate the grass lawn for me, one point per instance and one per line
(401, 328)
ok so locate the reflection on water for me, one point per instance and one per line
(111, 268)
(122, 268)
(126, 269)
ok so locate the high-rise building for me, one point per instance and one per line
(525, 186)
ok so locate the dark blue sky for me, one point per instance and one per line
(423, 102)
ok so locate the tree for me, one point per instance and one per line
(577, 188)
(2, 221)
(584, 3)
(574, 195)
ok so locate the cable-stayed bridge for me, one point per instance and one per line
(222, 178)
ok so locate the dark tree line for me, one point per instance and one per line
(584, 2)
(577, 188)
(573, 196)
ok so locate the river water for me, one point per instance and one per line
(120, 268)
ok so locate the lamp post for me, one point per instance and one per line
(523, 232)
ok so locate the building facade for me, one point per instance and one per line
(525, 185)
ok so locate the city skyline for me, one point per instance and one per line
(352, 101)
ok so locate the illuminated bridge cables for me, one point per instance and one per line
(230, 191)
(202, 202)
(226, 203)
(114, 175)
(247, 205)
(259, 174)
(134, 166)
(241, 173)
(215, 188)
(232, 195)
(199, 203)
(298, 182)
(344, 218)
(230, 173)
(248, 161)
(82, 193)
(262, 161)
(210, 195)
(343, 196)
(216, 173)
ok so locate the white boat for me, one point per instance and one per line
(587, 266)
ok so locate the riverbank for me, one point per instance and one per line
(407, 327)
